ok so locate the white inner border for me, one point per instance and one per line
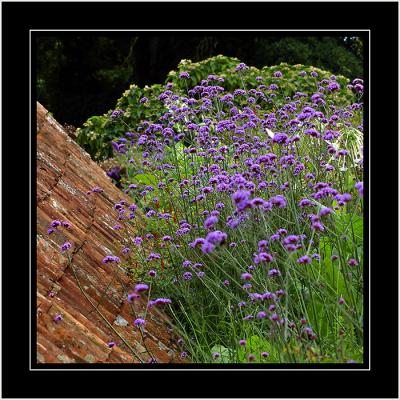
(369, 201)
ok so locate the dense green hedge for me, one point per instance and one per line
(98, 131)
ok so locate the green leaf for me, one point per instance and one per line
(146, 179)
(224, 354)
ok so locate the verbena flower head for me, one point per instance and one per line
(141, 287)
(210, 222)
(263, 257)
(352, 262)
(139, 322)
(216, 237)
(360, 187)
(241, 67)
(132, 296)
(109, 259)
(261, 315)
(304, 260)
(65, 246)
(58, 317)
(187, 276)
(184, 75)
(162, 301)
(246, 276)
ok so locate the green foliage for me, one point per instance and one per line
(325, 52)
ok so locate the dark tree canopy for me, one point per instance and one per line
(80, 76)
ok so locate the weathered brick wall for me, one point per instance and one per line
(65, 173)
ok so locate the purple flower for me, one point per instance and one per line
(262, 244)
(341, 300)
(65, 246)
(110, 344)
(141, 287)
(66, 224)
(261, 315)
(125, 250)
(184, 354)
(274, 237)
(304, 260)
(325, 211)
(360, 187)
(57, 317)
(317, 226)
(247, 286)
(162, 301)
(216, 355)
(251, 357)
(139, 322)
(352, 262)
(240, 199)
(184, 75)
(132, 296)
(274, 317)
(152, 273)
(210, 222)
(216, 237)
(55, 223)
(241, 67)
(50, 231)
(278, 74)
(246, 276)
(263, 257)
(274, 272)
(265, 354)
(280, 138)
(116, 113)
(108, 259)
(207, 247)
(137, 241)
(333, 86)
(187, 276)
(226, 282)
(279, 201)
(242, 342)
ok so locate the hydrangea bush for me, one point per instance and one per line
(139, 104)
(248, 203)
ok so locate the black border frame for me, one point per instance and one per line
(381, 18)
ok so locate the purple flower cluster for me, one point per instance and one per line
(267, 168)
